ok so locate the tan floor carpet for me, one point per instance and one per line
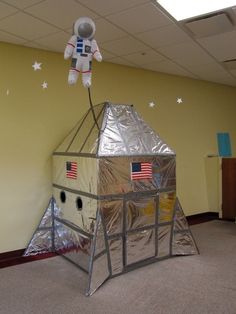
(203, 284)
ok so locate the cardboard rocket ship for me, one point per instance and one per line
(114, 206)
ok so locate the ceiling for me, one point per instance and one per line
(137, 33)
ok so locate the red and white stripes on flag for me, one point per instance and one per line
(71, 169)
(141, 170)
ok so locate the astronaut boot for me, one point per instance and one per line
(73, 76)
(86, 78)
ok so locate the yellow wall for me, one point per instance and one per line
(34, 121)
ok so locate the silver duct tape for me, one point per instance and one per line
(116, 255)
(140, 246)
(183, 244)
(140, 213)
(164, 233)
(115, 175)
(125, 133)
(112, 212)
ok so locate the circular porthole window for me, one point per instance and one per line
(79, 203)
(63, 197)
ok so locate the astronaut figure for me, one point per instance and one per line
(82, 48)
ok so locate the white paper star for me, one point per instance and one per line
(179, 100)
(151, 104)
(44, 85)
(37, 66)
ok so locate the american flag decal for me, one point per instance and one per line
(141, 170)
(71, 169)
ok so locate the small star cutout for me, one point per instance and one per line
(37, 66)
(179, 100)
(44, 85)
(151, 104)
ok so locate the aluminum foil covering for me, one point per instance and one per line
(124, 132)
(114, 175)
(140, 213)
(100, 245)
(99, 270)
(180, 221)
(166, 206)
(73, 244)
(112, 211)
(104, 220)
(183, 242)
(41, 242)
(116, 255)
(164, 240)
(140, 246)
(99, 274)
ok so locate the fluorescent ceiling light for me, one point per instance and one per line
(184, 9)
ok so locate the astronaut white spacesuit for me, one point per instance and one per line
(82, 48)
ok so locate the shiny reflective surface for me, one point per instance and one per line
(121, 223)
(166, 206)
(164, 234)
(183, 244)
(114, 175)
(116, 255)
(140, 246)
(112, 212)
(125, 133)
(140, 213)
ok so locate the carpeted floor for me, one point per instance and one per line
(203, 284)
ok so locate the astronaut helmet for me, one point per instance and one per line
(84, 28)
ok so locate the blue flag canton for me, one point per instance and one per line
(136, 166)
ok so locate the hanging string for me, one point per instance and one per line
(91, 106)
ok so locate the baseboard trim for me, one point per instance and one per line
(202, 217)
(16, 257)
